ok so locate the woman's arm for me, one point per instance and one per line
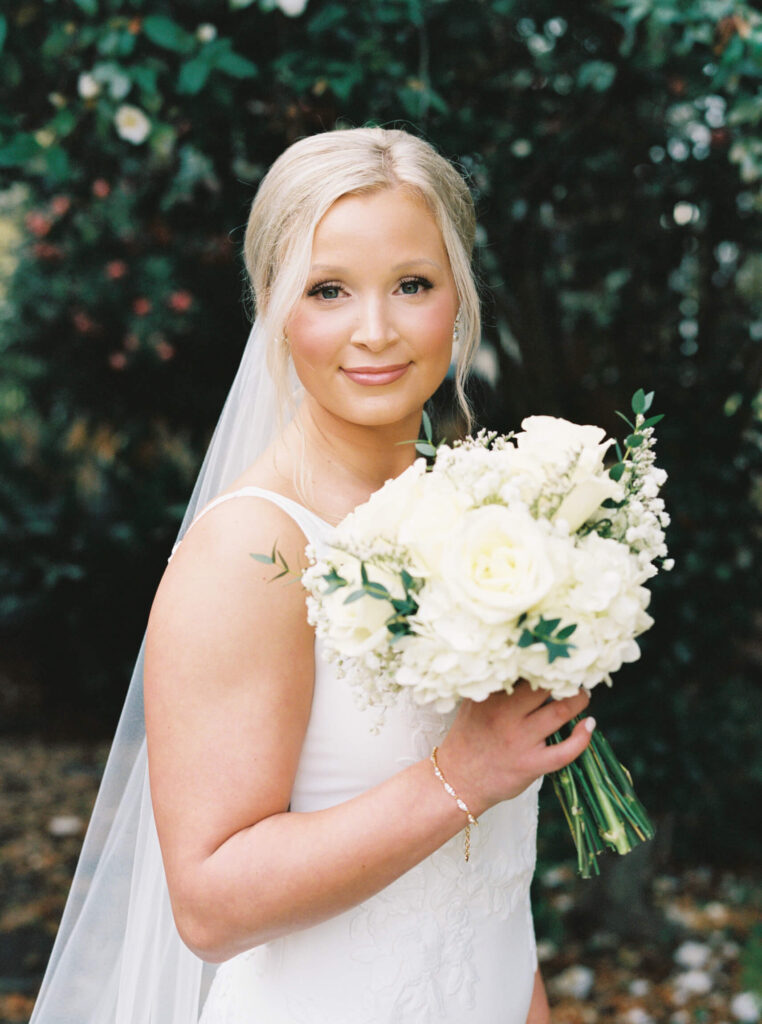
(539, 1010)
(228, 686)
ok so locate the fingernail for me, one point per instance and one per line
(590, 723)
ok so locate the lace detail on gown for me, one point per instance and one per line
(449, 941)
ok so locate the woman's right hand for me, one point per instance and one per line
(497, 747)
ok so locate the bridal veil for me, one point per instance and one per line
(118, 958)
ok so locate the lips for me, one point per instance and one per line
(375, 375)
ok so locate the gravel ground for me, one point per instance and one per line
(704, 976)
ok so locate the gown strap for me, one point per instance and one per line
(309, 523)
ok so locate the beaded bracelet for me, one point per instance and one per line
(458, 800)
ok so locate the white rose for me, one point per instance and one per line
(388, 507)
(544, 448)
(497, 563)
(132, 124)
(87, 86)
(434, 510)
(206, 33)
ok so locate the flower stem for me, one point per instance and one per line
(599, 803)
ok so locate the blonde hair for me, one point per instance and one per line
(303, 184)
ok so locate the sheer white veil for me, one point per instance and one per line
(118, 958)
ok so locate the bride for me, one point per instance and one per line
(263, 827)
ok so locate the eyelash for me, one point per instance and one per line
(321, 285)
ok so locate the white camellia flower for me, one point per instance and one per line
(293, 8)
(206, 33)
(132, 124)
(87, 86)
(497, 564)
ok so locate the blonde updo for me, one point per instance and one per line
(303, 184)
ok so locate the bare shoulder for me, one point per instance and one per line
(229, 672)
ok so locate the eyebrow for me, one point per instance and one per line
(327, 268)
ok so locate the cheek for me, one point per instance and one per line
(309, 339)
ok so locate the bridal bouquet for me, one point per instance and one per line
(508, 557)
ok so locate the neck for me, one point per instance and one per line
(346, 462)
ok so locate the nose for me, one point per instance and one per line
(375, 328)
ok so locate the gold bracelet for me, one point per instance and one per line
(458, 800)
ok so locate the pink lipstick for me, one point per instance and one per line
(375, 375)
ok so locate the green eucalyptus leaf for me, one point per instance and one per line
(424, 448)
(354, 596)
(634, 440)
(377, 590)
(652, 421)
(264, 559)
(566, 632)
(617, 472)
(629, 422)
(426, 424)
(639, 402)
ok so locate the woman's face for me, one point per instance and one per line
(371, 338)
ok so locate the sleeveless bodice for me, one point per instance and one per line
(448, 941)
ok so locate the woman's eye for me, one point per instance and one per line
(325, 291)
(414, 285)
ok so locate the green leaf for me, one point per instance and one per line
(165, 32)
(3, 30)
(622, 416)
(617, 472)
(354, 596)
(618, 450)
(652, 421)
(638, 403)
(87, 6)
(235, 65)
(526, 639)
(610, 503)
(566, 632)
(556, 651)
(546, 626)
(634, 440)
(596, 74)
(426, 424)
(377, 590)
(22, 147)
(424, 448)
(193, 76)
(264, 559)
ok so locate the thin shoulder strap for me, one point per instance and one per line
(309, 523)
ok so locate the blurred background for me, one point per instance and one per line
(614, 150)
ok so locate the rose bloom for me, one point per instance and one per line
(496, 564)
(101, 188)
(141, 306)
(116, 269)
(180, 301)
(38, 223)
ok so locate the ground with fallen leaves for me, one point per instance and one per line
(699, 976)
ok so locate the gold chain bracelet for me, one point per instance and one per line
(458, 800)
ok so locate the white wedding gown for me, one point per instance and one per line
(449, 941)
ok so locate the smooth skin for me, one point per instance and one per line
(229, 663)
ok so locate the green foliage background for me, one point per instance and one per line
(614, 153)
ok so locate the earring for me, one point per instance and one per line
(456, 329)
